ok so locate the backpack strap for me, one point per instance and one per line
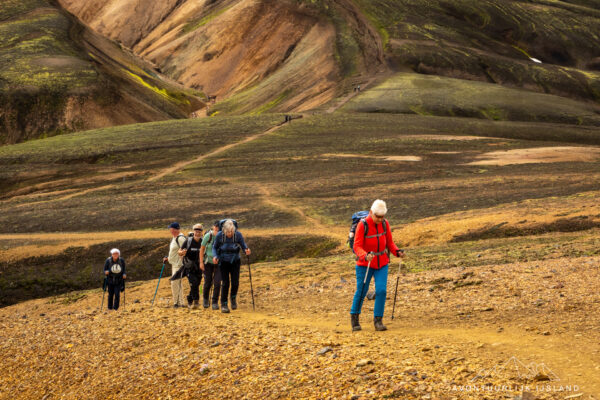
(378, 234)
(177, 239)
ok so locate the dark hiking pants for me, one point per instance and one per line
(194, 277)
(212, 276)
(230, 272)
(114, 295)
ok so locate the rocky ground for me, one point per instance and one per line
(524, 330)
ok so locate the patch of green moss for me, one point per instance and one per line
(272, 104)
(169, 95)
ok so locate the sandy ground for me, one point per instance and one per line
(386, 158)
(539, 155)
(508, 328)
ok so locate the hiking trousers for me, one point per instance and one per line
(114, 295)
(177, 288)
(230, 272)
(194, 278)
(212, 276)
(381, 276)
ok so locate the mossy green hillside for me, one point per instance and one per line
(435, 95)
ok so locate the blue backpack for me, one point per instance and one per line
(357, 217)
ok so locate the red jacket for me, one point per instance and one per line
(375, 241)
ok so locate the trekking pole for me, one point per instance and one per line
(251, 289)
(396, 291)
(156, 291)
(123, 295)
(362, 292)
(103, 293)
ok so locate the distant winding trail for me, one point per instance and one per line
(315, 225)
(341, 102)
(182, 164)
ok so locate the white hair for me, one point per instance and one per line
(379, 207)
(113, 251)
(228, 226)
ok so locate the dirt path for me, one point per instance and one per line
(341, 102)
(569, 356)
(312, 224)
(181, 165)
(418, 357)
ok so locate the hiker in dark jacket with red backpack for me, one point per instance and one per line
(372, 243)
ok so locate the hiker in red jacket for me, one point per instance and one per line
(371, 249)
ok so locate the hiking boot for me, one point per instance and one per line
(175, 305)
(354, 321)
(379, 326)
(215, 306)
(233, 303)
(205, 303)
(196, 304)
(224, 308)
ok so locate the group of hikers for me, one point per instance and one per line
(215, 255)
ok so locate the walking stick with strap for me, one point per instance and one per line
(362, 292)
(103, 293)
(251, 289)
(396, 291)
(156, 291)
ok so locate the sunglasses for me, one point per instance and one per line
(198, 229)
(379, 216)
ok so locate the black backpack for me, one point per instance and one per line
(221, 222)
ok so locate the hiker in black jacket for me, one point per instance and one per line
(190, 251)
(114, 269)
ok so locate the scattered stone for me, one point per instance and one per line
(539, 302)
(540, 377)
(215, 344)
(136, 301)
(546, 333)
(574, 396)
(204, 369)
(324, 351)
(363, 363)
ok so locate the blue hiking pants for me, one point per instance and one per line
(362, 289)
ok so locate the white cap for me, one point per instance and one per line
(379, 207)
(113, 251)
